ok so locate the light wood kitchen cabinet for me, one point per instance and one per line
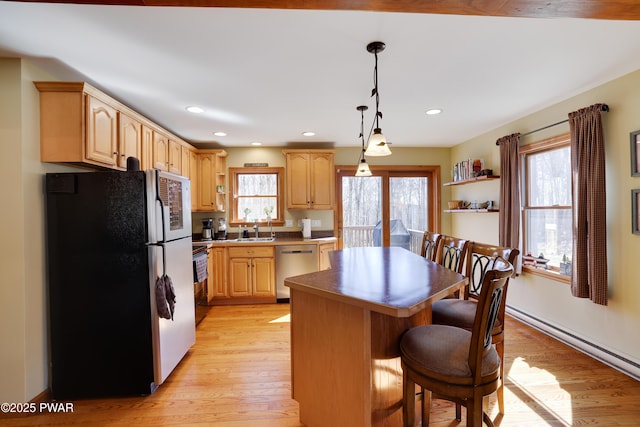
(193, 176)
(175, 157)
(185, 165)
(146, 156)
(102, 136)
(221, 182)
(251, 272)
(167, 153)
(310, 179)
(211, 175)
(210, 283)
(206, 182)
(80, 124)
(129, 139)
(160, 151)
(323, 255)
(219, 273)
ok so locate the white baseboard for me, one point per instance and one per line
(616, 361)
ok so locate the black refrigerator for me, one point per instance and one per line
(119, 260)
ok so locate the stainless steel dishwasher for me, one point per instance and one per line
(293, 260)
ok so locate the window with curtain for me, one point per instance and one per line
(256, 193)
(547, 202)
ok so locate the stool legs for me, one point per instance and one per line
(408, 401)
(500, 391)
(426, 407)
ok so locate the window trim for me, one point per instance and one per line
(536, 147)
(234, 219)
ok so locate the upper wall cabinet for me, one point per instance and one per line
(167, 154)
(310, 180)
(211, 166)
(129, 138)
(82, 125)
(102, 136)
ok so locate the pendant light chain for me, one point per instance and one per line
(377, 144)
(375, 89)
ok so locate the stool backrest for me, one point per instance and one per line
(453, 252)
(430, 245)
(481, 258)
(494, 288)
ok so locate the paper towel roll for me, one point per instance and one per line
(306, 228)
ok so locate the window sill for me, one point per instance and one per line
(549, 274)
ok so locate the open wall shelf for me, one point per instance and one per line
(470, 180)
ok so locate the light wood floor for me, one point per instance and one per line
(238, 374)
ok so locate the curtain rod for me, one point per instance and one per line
(603, 107)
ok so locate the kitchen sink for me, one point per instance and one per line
(253, 239)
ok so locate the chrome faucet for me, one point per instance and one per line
(255, 227)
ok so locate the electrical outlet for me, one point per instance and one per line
(288, 223)
(316, 223)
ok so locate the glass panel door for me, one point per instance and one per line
(391, 208)
(361, 210)
(409, 211)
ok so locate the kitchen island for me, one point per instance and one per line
(346, 324)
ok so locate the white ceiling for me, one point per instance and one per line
(266, 75)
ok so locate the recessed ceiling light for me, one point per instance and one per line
(308, 133)
(220, 133)
(256, 143)
(434, 111)
(193, 109)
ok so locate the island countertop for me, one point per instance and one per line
(388, 280)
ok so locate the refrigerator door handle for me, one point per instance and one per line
(164, 256)
(164, 259)
(159, 199)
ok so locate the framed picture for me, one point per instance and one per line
(635, 211)
(635, 153)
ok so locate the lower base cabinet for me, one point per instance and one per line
(251, 272)
(219, 256)
(323, 255)
(245, 274)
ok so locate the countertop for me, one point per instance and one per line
(387, 280)
(278, 241)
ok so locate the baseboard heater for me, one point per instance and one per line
(620, 363)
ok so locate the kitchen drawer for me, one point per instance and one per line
(251, 252)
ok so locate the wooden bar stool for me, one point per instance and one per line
(461, 312)
(453, 363)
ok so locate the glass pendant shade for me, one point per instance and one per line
(377, 144)
(363, 168)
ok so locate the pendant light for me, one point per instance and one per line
(363, 167)
(378, 145)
